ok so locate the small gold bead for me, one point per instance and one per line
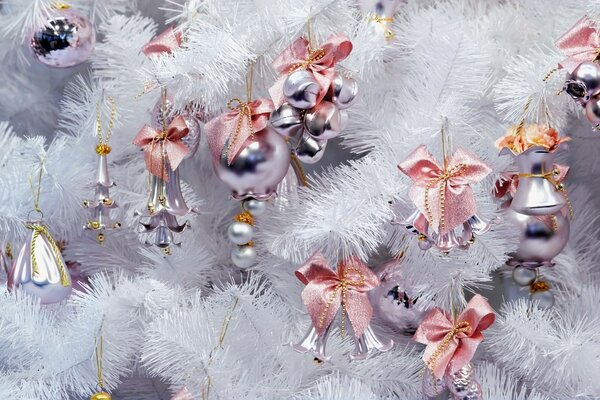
(162, 199)
(100, 238)
(560, 187)
(167, 251)
(107, 201)
(101, 396)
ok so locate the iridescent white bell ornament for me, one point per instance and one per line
(65, 39)
(343, 291)
(436, 191)
(40, 269)
(394, 299)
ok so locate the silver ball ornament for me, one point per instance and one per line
(301, 89)
(286, 120)
(325, 121)
(243, 256)
(254, 207)
(192, 139)
(543, 298)
(523, 276)
(343, 91)
(584, 81)
(310, 150)
(240, 232)
(258, 168)
(592, 110)
(67, 38)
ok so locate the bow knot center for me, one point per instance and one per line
(461, 327)
(313, 56)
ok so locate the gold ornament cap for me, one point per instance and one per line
(101, 396)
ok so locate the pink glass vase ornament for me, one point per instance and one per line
(446, 217)
(65, 39)
(344, 290)
(310, 96)
(451, 343)
(164, 150)
(394, 300)
(380, 14)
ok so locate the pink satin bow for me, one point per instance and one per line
(451, 345)
(326, 290)
(168, 144)
(237, 125)
(581, 43)
(165, 42)
(444, 211)
(320, 62)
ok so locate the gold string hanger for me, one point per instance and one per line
(35, 194)
(244, 109)
(103, 148)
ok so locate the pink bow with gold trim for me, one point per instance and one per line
(444, 196)
(244, 120)
(581, 44)
(163, 146)
(451, 344)
(320, 62)
(326, 290)
(164, 42)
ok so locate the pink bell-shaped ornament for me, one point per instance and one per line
(538, 193)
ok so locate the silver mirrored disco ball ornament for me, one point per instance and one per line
(67, 38)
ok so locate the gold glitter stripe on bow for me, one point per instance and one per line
(342, 285)
(440, 181)
(313, 56)
(245, 112)
(42, 230)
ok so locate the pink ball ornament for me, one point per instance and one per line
(393, 300)
(67, 38)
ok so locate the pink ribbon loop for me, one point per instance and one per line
(163, 146)
(581, 43)
(452, 345)
(237, 125)
(319, 62)
(327, 290)
(165, 42)
(444, 195)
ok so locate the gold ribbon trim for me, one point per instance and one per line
(440, 181)
(42, 230)
(245, 111)
(313, 56)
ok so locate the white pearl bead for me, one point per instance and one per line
(254, 207)
(240, 232)
(523, 276)
(243, 256)
(543, 299)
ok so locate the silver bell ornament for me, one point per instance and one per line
(394, 300)
(310, 150)
(301, 89)
(40, 269)
(343, 91)
(164, 107)
(287, 120)
(537, 193)
(541, 238)
(65, 39)
(258, 167)
(314, 343)
(584, 82)
(325, 121)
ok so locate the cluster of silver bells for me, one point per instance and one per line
(241, 234)
(461, 385)
(308, 124)
(583, 85)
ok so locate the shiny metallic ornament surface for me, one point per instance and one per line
(47, 283)
(343, 91)
(314, 343)
(592, 110)
(101, 396)
(394, 300)
(310, 150)
(432, 386)
(254, 207)
(539, 240)
(240, 232)
(301, 89)
(192, 139)
(287, 120)
(537, 195)
(102, 204)
(367, 343)
(67, 38)
(583, 82)
(243, 256)
(258, 168)
(544, 299)
(324, 121)
(463, 385)
(523, 276)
